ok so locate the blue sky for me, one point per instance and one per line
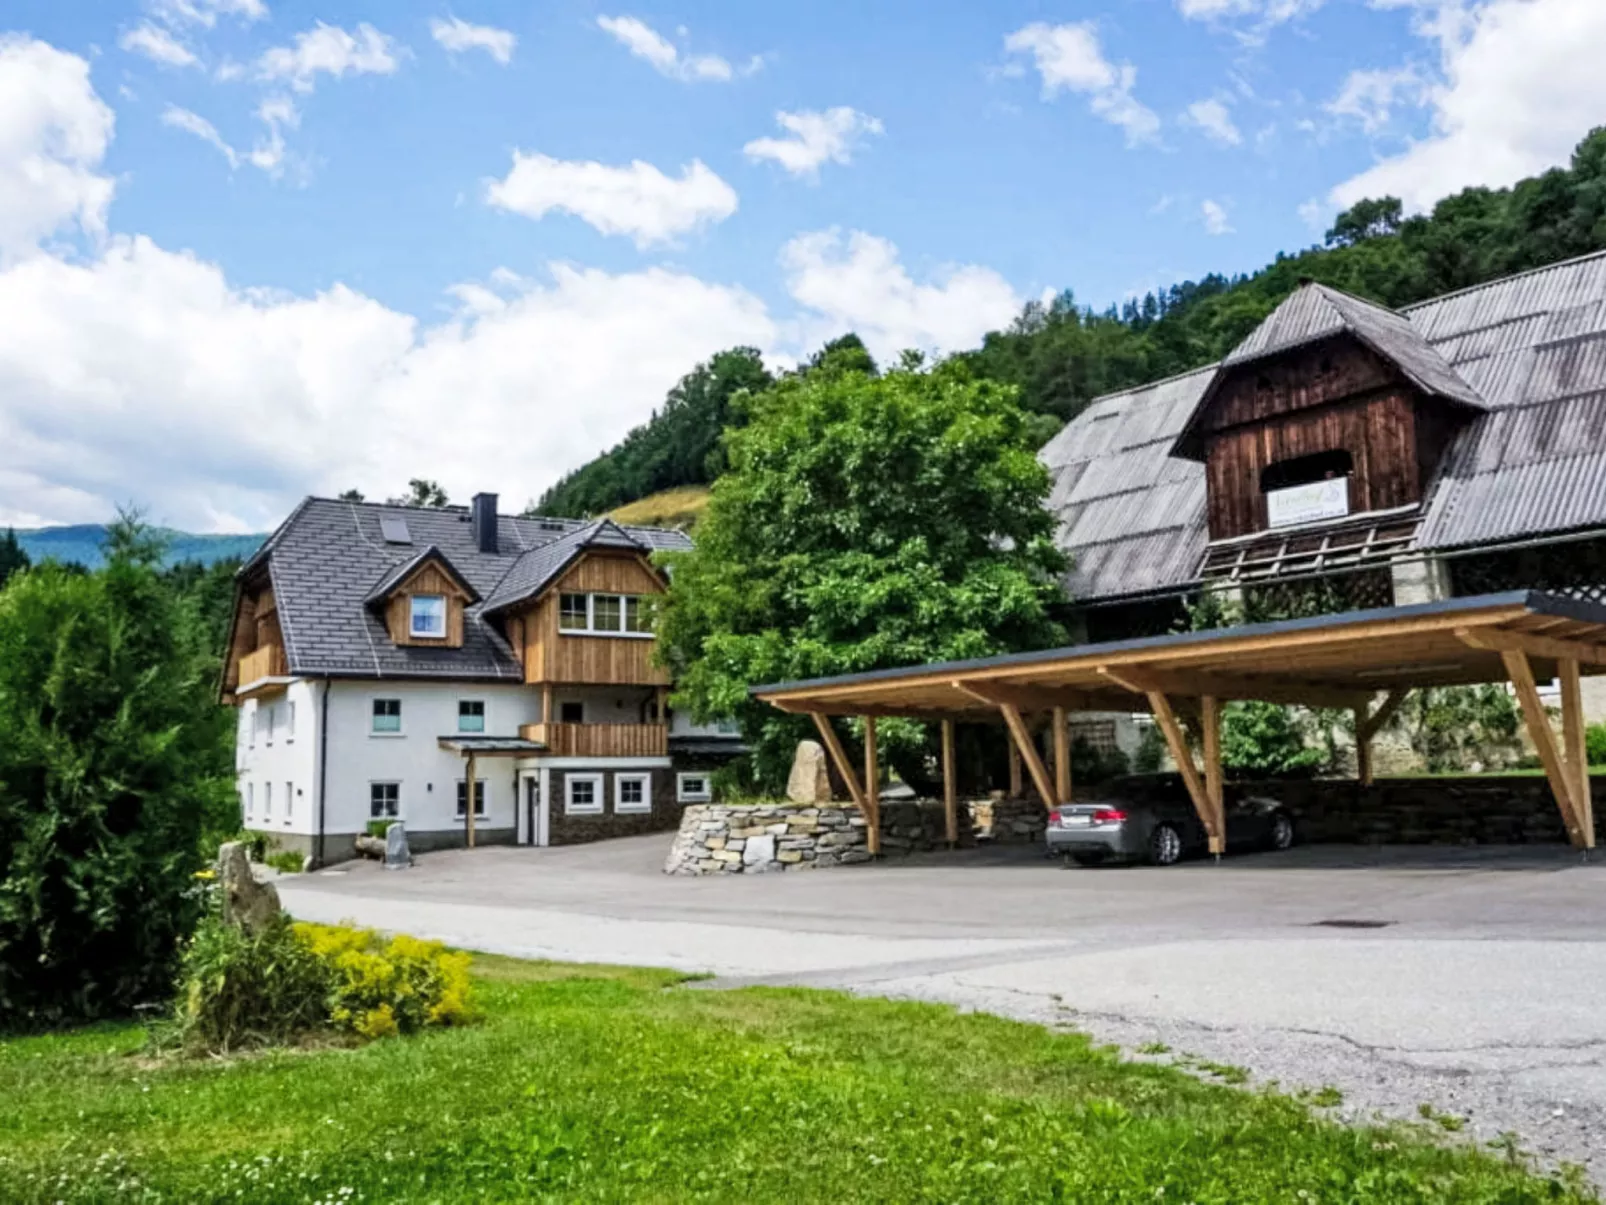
(283, 247)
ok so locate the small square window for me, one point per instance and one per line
(427, 616)
(632, 792)
(384, 800)
(583, 794)
(387, 715)
(636, 615)
(607, 613)
(479, 799)
(471, 715)
(571, 713)
(692, 788)
(572, 613)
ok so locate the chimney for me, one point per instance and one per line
(482, 517)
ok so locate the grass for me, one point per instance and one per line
(679, 507)
(598, 1083)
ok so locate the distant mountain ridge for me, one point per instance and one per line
(81, 544)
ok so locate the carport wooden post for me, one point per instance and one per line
(1016, 790)
(1367, 727)
(1572, 730)
(844, 767)
(1062, 756)
(872, 788)
(471, 793)
(1210, 725)
(1183, 756)
(1028, 752)
(950, 788)
(1564, 781)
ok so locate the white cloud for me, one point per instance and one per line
(332, 51)
(1212, 118)
(1521, 82)
(157, 44)
(1069, 58)
(193, 123)
(815, 139)
(1262, 15)
(1369, 96)
(1316, 214)
(637, 200)
(645, 42)
(863, 286)
(457, 35)
(1215, 218)
(206, 12)
(54, 131)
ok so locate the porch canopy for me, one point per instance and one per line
(472, 747)
(1362, 661)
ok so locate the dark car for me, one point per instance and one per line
(1163, 832)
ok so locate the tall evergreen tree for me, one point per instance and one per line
(13, 556)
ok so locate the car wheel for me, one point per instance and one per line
(1282, 831)
(1090, 858)
(1165, 845)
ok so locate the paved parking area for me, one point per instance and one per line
(1473, 980)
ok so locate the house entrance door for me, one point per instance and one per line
(534, 820)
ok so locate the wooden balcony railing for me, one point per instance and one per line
(267, 662)
(600, 740)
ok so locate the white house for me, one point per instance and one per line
(377, 652)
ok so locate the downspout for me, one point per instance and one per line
(323, 764)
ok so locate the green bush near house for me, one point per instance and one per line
(1595, 744)
(613, 1084)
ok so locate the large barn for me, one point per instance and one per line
(1456, 447)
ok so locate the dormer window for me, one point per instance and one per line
(427, 616)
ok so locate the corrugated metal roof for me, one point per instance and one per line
(1529, 350)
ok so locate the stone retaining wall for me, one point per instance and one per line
(719, 838)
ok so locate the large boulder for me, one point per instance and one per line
(810, 780)
(397, 855)
(251, 905)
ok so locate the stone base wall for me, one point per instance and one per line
(718, 838)
(1503, 810)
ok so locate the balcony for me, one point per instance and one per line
(600, 740)
(267, 662)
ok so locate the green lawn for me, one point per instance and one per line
(611, 1084)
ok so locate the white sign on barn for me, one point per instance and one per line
(1309, 503)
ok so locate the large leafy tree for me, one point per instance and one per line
(113, 756)
(865, 522)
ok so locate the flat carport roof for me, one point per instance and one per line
(1337, 661)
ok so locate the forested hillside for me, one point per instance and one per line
(1062, 355)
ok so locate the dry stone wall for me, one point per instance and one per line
(722, 838)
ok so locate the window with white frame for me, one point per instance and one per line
(250, 800)
(692, 788)
(479, 798)
(387, 716)
(289, 802)
(604, 614)
(384, 800)
(582, 794)
(632, 793)
(272, 711)
(267, 801)
(290, 721)
(471, 715)
(426, 616)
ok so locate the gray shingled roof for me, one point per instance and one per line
(400, 573)
(1529, 350)
(326, 558)
(534, 571)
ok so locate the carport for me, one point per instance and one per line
(1362, 661)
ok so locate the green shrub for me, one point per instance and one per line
(285, 861)
(380, 987)
(1595, 743)
(1151, 750)
(1091, 764)
(378, 828)
(1265, 740)
(240, 990)
(113, 759)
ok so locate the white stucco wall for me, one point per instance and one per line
(276, 757)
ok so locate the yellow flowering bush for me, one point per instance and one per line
(385, 986)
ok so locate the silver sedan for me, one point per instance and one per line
(1162, 833)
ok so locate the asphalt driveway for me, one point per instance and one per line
(1470, 980)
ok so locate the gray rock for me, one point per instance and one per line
(397, 855)
(250, 905)
(759, 850)
(809, 781)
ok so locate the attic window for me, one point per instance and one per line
(427, 616)
(1307, 489)
(394, 529)
(1302, 470)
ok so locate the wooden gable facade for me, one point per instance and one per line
(1325, 410)
(553, 656)
(428, 579)
(256, 641)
